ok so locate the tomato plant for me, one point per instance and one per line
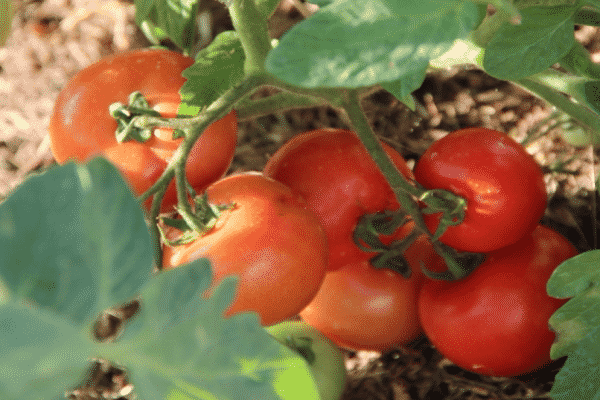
(325, 359)
(363, 308)
(332, 170)
(502, 184)
(495, 321)
(81, 125)
(269, 238)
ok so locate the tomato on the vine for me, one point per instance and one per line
(333, 171)
(501, 183)
(81, 125)
(268, 238)
(495, 321)
(363, 308)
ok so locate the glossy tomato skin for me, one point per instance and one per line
(332, 170)
(502, 184)
(362, 308)
(495, 321)
(81, 126)
(269, 239)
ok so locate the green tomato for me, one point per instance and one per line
(6, 13)
(325, 359)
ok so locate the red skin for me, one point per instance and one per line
(81, 126)
(334, 173)
(269, 239)
(362, 308)
(495, 321)
(502, 184)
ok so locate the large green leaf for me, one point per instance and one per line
(577, 324)
(362, 43)
(42, 354)
(73, 240)
(544, 36)
(181, 347)
(218, 67)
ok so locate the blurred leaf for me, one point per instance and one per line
(402, 89)
(41, 353)
(6, 15)
(181, 347)
(544, 36)
(362, 43)
(174, 18)
(267, 7)
(218, 67)
(577, 325)
(74, 240)
(463, 51)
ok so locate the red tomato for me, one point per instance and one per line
(269, 239)
(81, 126)
(503, 186)
(333, 171)
(362, 308)
(495, 321)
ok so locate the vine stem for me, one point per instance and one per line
(552, 87)
(253, 33)
(400, 186)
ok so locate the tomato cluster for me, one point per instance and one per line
(319, 232)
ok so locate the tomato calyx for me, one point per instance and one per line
(450, 205)
(303, 346)
(125, 115)
(192, 226)
(367, 237)
(460, 266)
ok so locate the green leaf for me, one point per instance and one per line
(175, 18)
(579, 317)
(218, 67)
(181, 347)
(542, 39)
(402, 88)
(266, 7)
(577, 325)
(73, 240)
(42, 354)
(579, 377)
(362, 43)
(6, 14)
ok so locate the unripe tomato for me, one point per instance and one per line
(495, 321)
(325, 359)
(268, 238)
(81, 126)
(502, 184)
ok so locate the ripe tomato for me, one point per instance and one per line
(333, 171)
(503, 186)
(362, 308)
(81, 126)
(495, 321)
(269, 238)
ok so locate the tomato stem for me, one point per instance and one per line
(252, 30)
(405, 192)
(277, 103)
(552, 85)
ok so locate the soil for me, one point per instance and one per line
(53, 39)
